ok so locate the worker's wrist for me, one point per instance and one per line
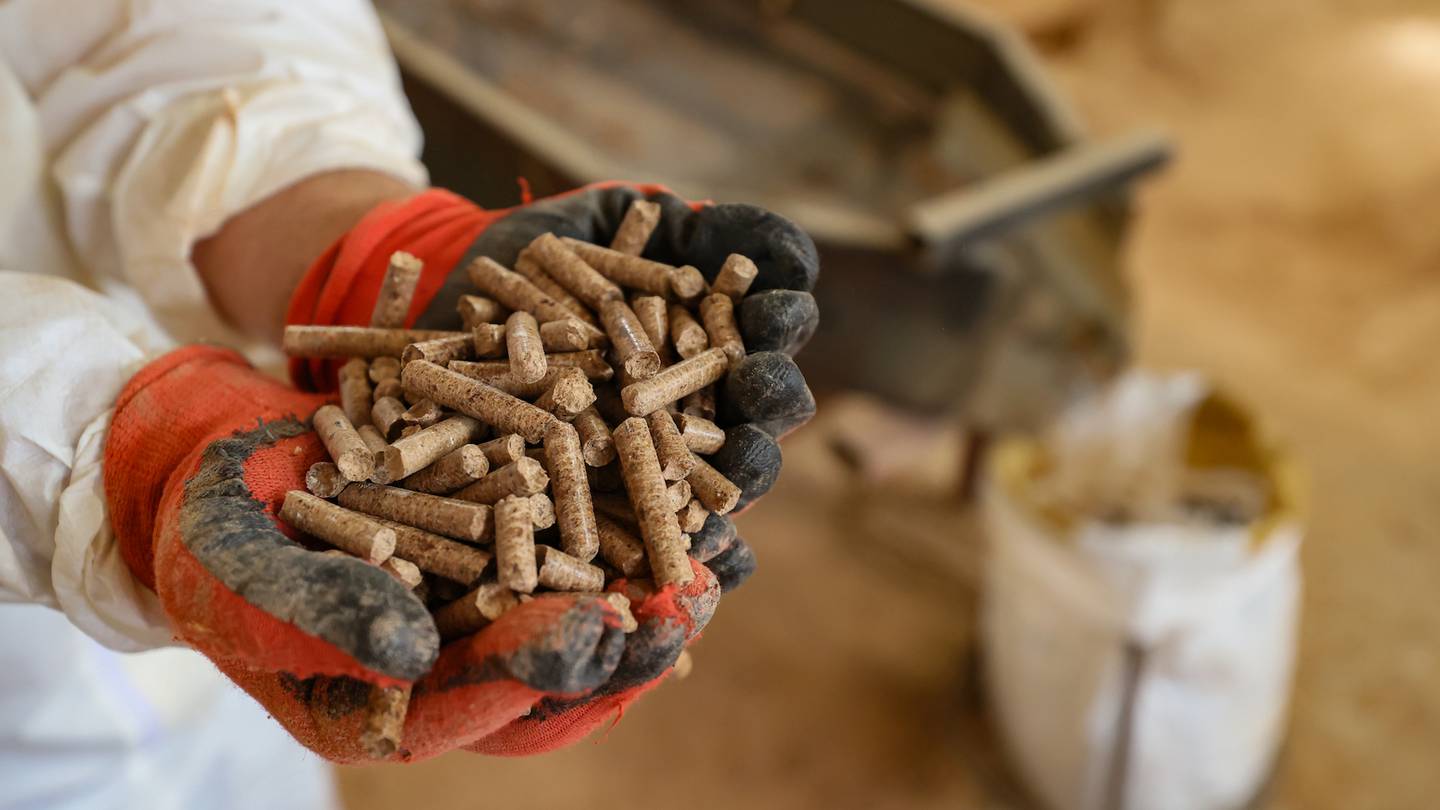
(340, 287)
(253, 263)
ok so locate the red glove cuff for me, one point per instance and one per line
(164, 417)
(341, 286)
(435, 226)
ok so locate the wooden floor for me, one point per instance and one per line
(1294, 253)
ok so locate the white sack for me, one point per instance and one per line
(1188, 629)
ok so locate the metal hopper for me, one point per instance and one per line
(969, 232)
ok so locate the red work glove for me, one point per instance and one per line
(200, 455)
(761, 399)
(202, 450)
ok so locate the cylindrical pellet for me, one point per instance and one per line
(674, 382)
(497, 375)
(639, 274)
(489, 339)
(423, 414)
(567, 336)
(718, 493)
(406, 572)
(555, 336)
(388, 388)
(353, 341)
(692, 516)
(735, 277)
(621, 549)
(686, 333)
(562, 572)
(455, 346)
(411, 454)
(676, 460)
(634, 232)
(596, 446)
(372, 438)
(646, 488)
(397, 290)
(355, 391)
(444, 591)
(385, 415)
(438, 555)
(324, 479)
(717, 312)
(522, 341)
(345, 446)
(701, 435)
(699, 403)
(444, 516)
(684, 665)
(384, 368)
(542, 511)
(514, 290)
(621, 603)
(474, 398)
(459, 468)
(524, 477)
(651, 312)
(571, 271)
(474, 610)
(591, 362)
(570, 394)
(687, 283)
(568, 482)
(527, 265)
(679, 494)
(340, 527)
(477, 309)
(385, 711)
(515, 544)
(503, 450)
(631, 347)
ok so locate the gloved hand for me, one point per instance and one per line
(202, 450)
(762, 399)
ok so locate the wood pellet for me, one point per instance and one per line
(489, 339)
(355, 391)
(477, 309)
(554, 446)
(397, 290)
(527, 265)
(635, 229)
(454, 470)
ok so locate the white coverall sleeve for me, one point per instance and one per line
(158, 121)
(164, 118)
(65, 353)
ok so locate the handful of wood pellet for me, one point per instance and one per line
(560, 436)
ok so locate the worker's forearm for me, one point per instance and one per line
(251, 266)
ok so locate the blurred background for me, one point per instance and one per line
(1000, 232)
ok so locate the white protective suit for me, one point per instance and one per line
(128, 130)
